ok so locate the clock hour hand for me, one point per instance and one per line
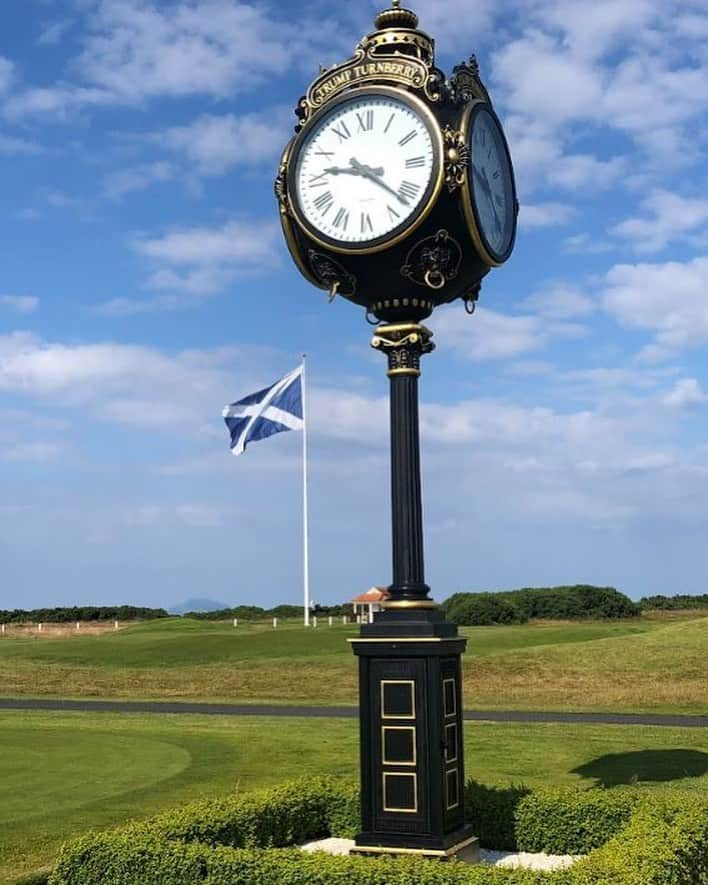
(338, 170)
(375, 176)
(490, 197)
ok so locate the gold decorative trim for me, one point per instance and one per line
(467, 188)
(429, 852)
(455, 804)
(394, 640)
(450, 760)
(364, 67)
(434, 188)
(408, 603)
(412, 774)
(384, 714)
(384, 729)
(457, 158)
(454, 697)
(392, 372)
(285, 222)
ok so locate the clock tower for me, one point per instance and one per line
(397, 193)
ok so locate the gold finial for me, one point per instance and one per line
(396, 17)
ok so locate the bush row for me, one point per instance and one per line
(519, 606)
(80, 613)
(630, 837)
(680, 602)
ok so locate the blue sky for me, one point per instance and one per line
(144, 284)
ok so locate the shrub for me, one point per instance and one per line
(492, 813)
(481, 610)
(633, 838)
(518, 606)
(567, 821)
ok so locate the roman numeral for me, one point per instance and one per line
(406, 138)
(388, 125)
(328, 154)
(392, 214)
(408, 190)
(343, 131)
(319, 180)
(324, 202)
(366, 224)
(341, 219)
(366, 122)
(415, 162)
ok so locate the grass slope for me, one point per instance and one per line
(62, 774)
(641, 665)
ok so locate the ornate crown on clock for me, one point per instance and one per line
(397, 190)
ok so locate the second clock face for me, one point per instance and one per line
(365, 169)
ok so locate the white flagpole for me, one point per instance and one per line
(305, 537)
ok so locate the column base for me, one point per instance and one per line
(465, 849)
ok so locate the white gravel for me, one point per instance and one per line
(507, 859)
(526, 860)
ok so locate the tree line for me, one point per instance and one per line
(680, 602)
(578, 602)
(282, 612)
(80, 613)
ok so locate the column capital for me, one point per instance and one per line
(404, 344)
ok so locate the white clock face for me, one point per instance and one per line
(492, 183)
(365, 169)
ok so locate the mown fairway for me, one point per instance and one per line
(62, 774)
(644, 665)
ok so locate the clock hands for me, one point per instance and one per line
(348, 170)
(373, 175)
(364, 171)
(487, 188)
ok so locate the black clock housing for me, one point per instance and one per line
(443, 251)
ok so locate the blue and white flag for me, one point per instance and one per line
(273, 410)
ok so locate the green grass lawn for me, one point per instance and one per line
(62, 774)
(638, 665)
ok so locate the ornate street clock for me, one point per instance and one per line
(397, 193)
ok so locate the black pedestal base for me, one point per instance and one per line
(461, 845)
(412, 751)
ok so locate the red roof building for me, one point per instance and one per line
(365, 604)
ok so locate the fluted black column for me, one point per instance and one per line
(404, 345)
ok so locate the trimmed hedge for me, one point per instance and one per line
(633, 838)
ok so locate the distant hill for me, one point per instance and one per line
(198, 605)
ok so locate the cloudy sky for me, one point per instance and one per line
(144, 284)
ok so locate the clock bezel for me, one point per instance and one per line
(485, 250)
(426, 204)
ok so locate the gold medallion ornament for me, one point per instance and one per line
(398, 179)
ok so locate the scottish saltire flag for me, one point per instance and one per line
(273, 410)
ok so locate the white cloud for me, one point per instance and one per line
(668, 217)
(20, 303)
(559, 301)
(34, 452)
(11, 144)
(138, 178)
(53, 34)
(214, 144)
(668, 299)
(586, 244)
(489, 335)
(685, 394)
(6, 74)
(544, 215)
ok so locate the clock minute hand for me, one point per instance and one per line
(338, 170)
(373, 175)
(490, 196)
